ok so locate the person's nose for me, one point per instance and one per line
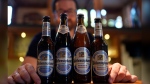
(69, 16)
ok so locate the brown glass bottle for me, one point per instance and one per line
(81, 50)
(63, 73)
(45, 53)
(99, 55)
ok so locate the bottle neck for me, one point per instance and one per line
(98, 30)
(80, 21)
(63, 21)
(46, 29)
(63, 27)
(80, 26)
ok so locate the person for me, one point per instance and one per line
(26, 73)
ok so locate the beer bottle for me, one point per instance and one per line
(81, 49)
(63, 52)
(99, 55)
(45, 52)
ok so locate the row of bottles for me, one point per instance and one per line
(77, 59)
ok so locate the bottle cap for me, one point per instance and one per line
(97, 20)
(63, 15)
(80, 16)
(46, 19)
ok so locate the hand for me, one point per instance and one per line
(25, 74)
(119, 73)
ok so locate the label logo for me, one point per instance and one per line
(45, 63)
(100, 63)
(63, 29)
(63, 61)
(82, 60)
(81, 29)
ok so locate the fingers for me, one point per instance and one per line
(114, 72)
(32, 73)
(133, 78)
(24, 74)
(10, 80)
(121, 74)
(109, 68)
(127, 77)
(17, 78)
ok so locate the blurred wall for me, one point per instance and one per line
(145, 12)
(3, 41)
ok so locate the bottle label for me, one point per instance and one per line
(82, 60)
(100, 63)
(81, 29)
(63, 61)
(63, 29)
(98, 29)
(45, 63)
(46, 29)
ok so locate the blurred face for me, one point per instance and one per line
(69, 7)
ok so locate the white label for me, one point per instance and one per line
(81, 29)
(100, 63)
(82, 60)
(98, 29)
(45, 63)
(63, 29)
(46, 29)
(63, 61)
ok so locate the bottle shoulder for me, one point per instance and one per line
(81, 40)
(63, 40)
(46, 39)
(60, 35)
(80, 36)
(63, 37)
(99, 41)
